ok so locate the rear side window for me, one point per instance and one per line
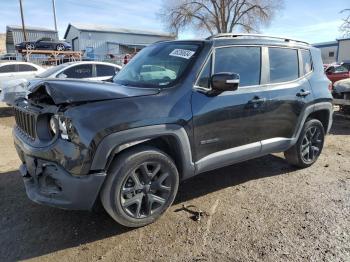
(307, 62)
(284, 65)
(80, 71)
(8, 69)
(26, 68)
(245, 61)
(105, 70)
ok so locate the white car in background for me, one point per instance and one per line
(149, 72)
(84, 70)
(18, 70)
(87, 70)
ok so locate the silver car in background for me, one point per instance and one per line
(85, 70)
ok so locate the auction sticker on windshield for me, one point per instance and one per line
(187, 54)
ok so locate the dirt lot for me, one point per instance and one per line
(259, 210)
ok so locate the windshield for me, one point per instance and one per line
(158, 65)
(47, 73)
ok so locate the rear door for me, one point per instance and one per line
(290, 92)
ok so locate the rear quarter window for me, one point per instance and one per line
(284, 64)
(307, 61)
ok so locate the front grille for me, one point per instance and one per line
(26, 122)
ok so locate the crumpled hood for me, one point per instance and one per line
(75, 91)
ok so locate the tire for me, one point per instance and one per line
(304, 154)
(60, 47)
(136, 178)
(30, 47)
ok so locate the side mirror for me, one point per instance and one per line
(62, 76)
(222, 82)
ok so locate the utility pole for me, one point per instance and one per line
(23, 27)
(54, 14)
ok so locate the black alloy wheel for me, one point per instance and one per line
(145, 190)
(140, 186)
(311, 144)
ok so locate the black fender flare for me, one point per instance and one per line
(116, 142)
(311, 109)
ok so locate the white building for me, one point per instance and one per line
(99, 42)
(335, 51)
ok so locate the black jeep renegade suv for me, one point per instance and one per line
(178, 109)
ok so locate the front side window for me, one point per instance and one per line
(105, 70)
(307, 62)
(170, 60)
(26, 68)
(245, 61)
(284, 65)
(8, 69)
(80, 71)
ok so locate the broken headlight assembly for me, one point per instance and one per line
(51, 126)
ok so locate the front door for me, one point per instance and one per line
(232, 120)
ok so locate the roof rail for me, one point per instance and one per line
(231, 35)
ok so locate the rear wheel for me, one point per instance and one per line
(309, 145)
(141, 184)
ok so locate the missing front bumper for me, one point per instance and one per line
(49, 184)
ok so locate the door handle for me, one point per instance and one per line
(257, 100)
(303, 93)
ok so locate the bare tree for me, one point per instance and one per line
(345, 27)
(219, 16)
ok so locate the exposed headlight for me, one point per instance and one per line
(53, 124)
(63, 128)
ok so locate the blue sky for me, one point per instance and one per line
(312, 21)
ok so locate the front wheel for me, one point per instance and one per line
(141, 184)
(60, 47)
(30, 46)
(309, 145)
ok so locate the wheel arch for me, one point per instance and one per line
(317, 110)
(172, 139)
(323, 116)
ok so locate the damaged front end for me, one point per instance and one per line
(55, 163)
(58, 128)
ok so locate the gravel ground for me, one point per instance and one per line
(259, 210)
